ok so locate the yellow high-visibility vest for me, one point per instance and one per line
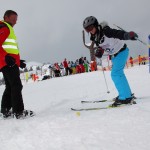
(10, 45)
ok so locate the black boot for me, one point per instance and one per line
(119, 102)
(24, 114)
(116, 98)
(6, 113)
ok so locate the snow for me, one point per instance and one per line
(56, 127)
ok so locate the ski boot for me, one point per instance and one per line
(128, 101)
(6, 114)
(132, 95)
(25, 114)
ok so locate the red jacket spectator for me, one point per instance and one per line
(65, 63)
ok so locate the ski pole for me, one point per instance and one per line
(136, 38)
(104, 75)
(92, 48)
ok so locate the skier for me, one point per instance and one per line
(9, 65)
(111, 41)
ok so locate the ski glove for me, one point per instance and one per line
(130, 36)
(99, 52)
(22, 64)
(10, 61)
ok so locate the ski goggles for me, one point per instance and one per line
(89, 28)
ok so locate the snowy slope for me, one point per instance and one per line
(56, 127)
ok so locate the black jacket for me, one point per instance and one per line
(108, 32)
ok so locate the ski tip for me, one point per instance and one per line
(74, 109)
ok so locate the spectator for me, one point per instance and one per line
(57, 70)
(86, 64)
(65, 64)
(9, 65)
(131, 61)
(139, 59)
(78, 69)
(143, 60)
(81, 62)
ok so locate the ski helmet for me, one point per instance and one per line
(89, 21)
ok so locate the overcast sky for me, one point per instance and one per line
(51, 30)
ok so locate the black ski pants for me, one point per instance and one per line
(12, 96)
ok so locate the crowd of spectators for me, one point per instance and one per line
(141, 60)
(66, 67)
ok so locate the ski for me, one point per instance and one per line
(87, 109)
(99, 108)
(105, 100)
(99, 101)
(96, 108)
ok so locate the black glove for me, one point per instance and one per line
(99, 52)
(130, 36)
(22, 64)
(10, 61)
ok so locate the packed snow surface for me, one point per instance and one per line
(56, 127)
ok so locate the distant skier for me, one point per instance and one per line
(111, 41)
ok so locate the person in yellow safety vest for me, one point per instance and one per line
(12, 102)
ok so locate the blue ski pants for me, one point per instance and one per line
(118, 76)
